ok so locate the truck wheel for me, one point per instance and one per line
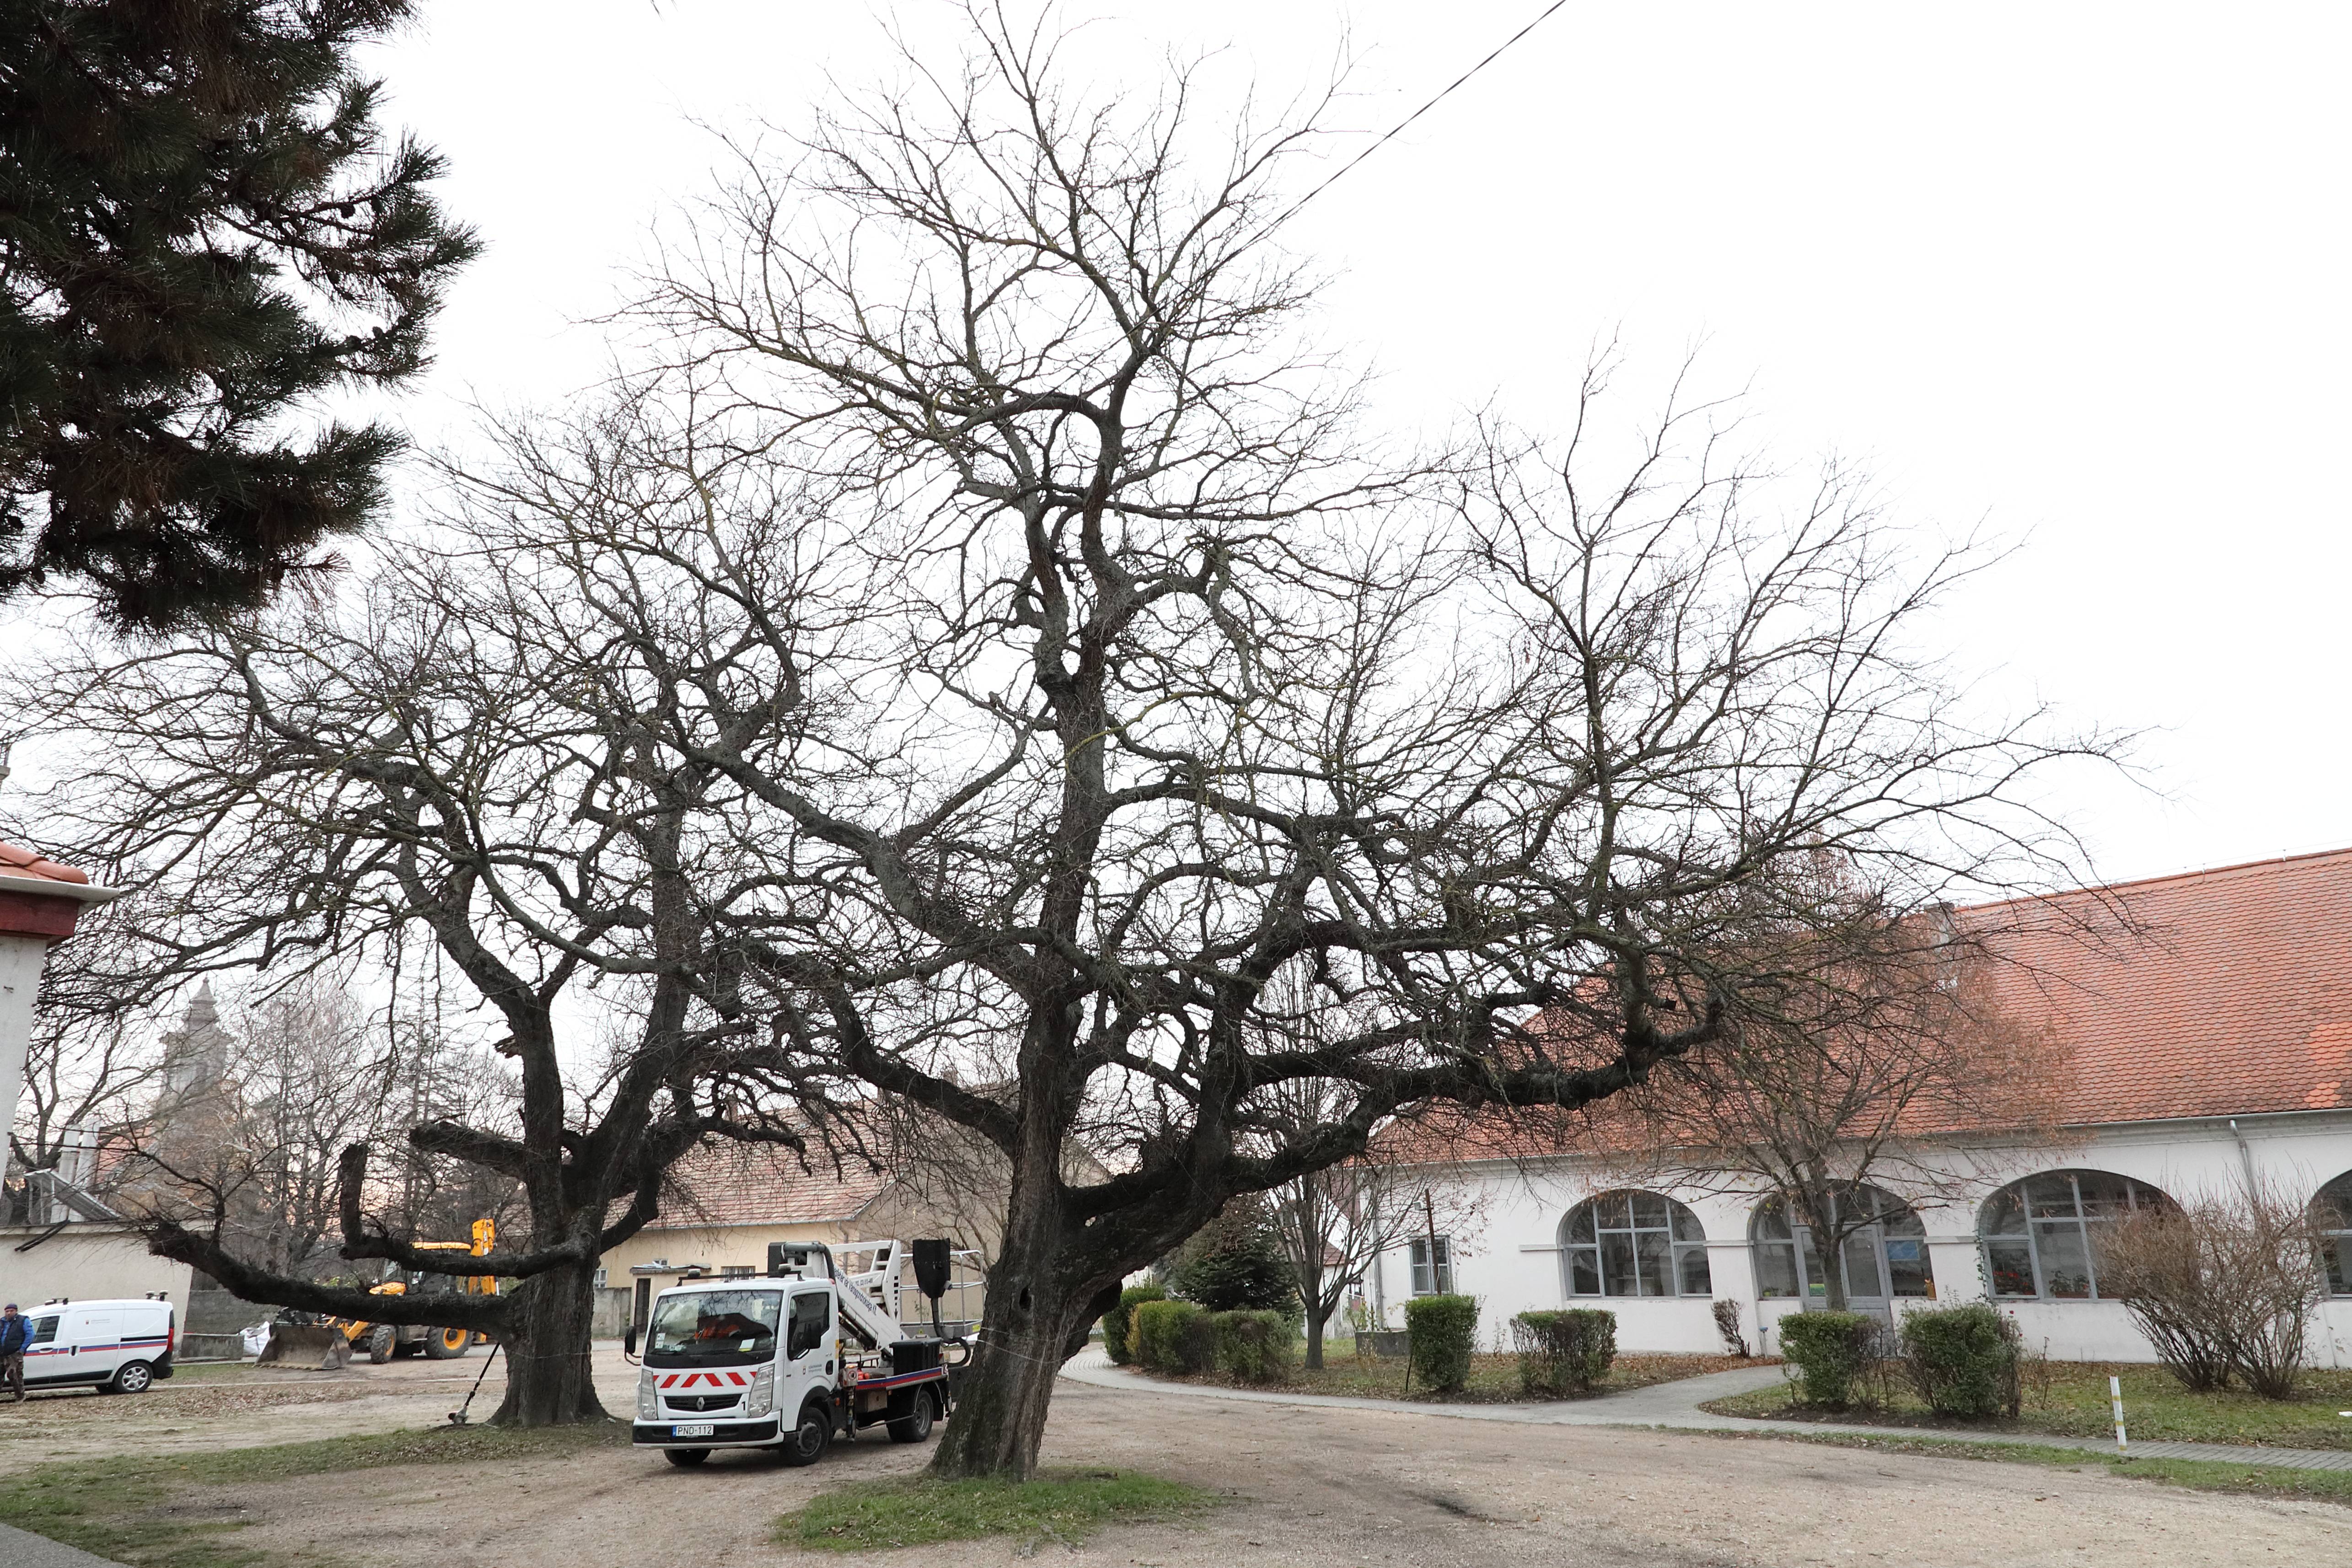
(917, 1426)
(444, 1344)
(805, 1444)
(686, 1458)
(379, 1345)
(131, 1377)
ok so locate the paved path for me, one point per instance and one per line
(23, 1549)
(1676, 1405)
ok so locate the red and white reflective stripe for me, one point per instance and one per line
(717, 1380)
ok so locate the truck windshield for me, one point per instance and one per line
(714, 1328)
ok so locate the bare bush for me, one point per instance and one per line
(2223, 1287)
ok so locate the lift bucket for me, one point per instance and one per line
(930, 1267)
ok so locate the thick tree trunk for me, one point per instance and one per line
(1038, 1311)
(549, 1380)
(1028, 1331)
(1314, 1340)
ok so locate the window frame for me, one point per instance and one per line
(1675, 1242)
(1417, 1269)
(2075, 1225)
(1802, 1254)
(2331, 1213)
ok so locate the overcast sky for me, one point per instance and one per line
(2077, 273)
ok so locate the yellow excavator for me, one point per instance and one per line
(382, 1341)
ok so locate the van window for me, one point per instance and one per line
(45, 1329)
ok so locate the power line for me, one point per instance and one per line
(1540, 18)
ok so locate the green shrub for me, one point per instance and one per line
(1174, 1337)
(1257, 1347)
(1443, 1330)
(1115, 1321)
(1831, 1349)
(1153, 1334)
(1962, 1360)
(1564, 1353)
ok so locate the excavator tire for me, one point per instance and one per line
(445, 1345)
(379, 1345)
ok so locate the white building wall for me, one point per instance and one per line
(1509, 1258)
(87, 1261)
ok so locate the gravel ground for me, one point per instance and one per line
(243, 1407)
(1333, 1487)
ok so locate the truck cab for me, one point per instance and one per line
(784, 1363)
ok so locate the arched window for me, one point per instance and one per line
(1634, 1243)
(2040, 1233)
(2332, 1211)
(1886, 1257)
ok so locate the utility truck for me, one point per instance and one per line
(788, 1361)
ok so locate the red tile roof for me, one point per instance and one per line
(24, 863)
(2230, 995)
(2234, 999)
(759, 1184)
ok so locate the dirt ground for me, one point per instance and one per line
(246, 1407)
(1308, 1486)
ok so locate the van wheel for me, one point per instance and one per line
(442, 1344)
(917, 1426)
(686, 1458)
(805, 1444)
(132, 1377)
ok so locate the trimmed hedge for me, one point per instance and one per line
(1830, 1349)
(1116, 1321)
(1443, 1332)
(1259, 1346)
(1564, 1353)
(1962, 1360)
(1174, 1336)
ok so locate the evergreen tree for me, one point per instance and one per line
(1236, 1262)
(200, 227)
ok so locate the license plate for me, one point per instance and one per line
(694, 1429)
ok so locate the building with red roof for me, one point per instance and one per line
(2199, 1032)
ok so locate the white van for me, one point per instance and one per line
(115, 1347)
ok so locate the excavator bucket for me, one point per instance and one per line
(305, 1346)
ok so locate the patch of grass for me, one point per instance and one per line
(2156, 1408)
(1065, 1506)
(2199, 1475)
(142, 1509)
(1494, 1378)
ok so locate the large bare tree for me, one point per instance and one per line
(1164, 689)
(467, 752)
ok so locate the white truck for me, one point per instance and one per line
(788, 1361)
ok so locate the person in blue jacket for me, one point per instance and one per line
(15, 1333)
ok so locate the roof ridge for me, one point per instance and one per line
(2091, 887)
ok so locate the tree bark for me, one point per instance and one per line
(1818, 1205)
(1310, 1298)
(1029, 1329)
(549, 1382)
